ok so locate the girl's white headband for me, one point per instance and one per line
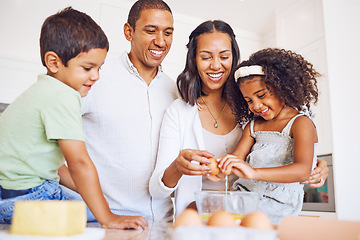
(248, 70)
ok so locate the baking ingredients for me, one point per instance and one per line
(258, 220)
(49, 218)
(189, 217)
(213, 166)
(221, 218)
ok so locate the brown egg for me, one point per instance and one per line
(214, 166)
(189, 217)
(221, 218)
(258, 220)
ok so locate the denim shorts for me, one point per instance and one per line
(49, 190)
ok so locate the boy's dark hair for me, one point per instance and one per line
(189, 81)
(292, 78)
(70, 32)
(141, 5)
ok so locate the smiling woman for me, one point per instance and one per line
(213, 60)
(201, 119)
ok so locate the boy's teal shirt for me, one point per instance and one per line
(29, 129)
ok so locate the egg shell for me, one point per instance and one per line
(257, 220)
(221, 218)
(189, 217)
(213, 166)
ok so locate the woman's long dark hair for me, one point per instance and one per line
(189, 82)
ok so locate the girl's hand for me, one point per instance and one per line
(318, 175)
(185, 165)
(231, 163)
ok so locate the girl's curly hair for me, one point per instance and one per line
(292, 78)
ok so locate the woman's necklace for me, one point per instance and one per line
(216, 125)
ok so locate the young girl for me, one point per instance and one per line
(277, 149)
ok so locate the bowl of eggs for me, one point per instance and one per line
(237, 203)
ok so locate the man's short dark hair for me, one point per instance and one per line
(141, 5)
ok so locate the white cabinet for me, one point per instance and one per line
(299, 24)
(300, 27)
(316, 54)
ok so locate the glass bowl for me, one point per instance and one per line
(236, 203)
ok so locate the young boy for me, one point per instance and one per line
(43, 125)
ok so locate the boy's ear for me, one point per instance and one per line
(128, 32)
(52, 61)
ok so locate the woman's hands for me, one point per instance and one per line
(318, 175)
(185, 164)
(188, 162)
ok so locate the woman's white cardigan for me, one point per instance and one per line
(181, 129)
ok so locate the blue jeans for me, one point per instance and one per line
(49, 190)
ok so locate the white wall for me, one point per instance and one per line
(342, 35)
(20, 23)
(21, 20)
(300, 28)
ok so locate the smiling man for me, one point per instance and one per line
(151, 37)
(123, 113)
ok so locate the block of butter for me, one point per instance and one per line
(48, 218)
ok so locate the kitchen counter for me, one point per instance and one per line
(290, 228)
(155, 232)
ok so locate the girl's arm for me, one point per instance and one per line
(304, 134)
(85, 177)
(65, 178)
